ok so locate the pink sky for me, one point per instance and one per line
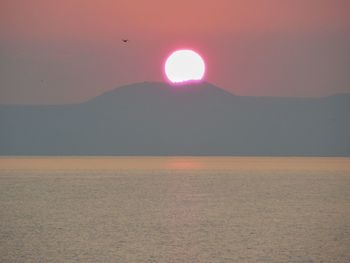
(70, 50)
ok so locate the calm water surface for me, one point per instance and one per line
(174, 209)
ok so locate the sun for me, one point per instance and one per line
(183, 66)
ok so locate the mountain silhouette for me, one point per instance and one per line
(197, 119)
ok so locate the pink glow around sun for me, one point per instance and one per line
(183, 66)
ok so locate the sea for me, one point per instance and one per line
(174, 209)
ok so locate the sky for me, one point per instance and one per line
(68, 51)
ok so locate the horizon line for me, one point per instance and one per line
(170, 85)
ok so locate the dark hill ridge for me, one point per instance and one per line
(198, 119)
(141, 93)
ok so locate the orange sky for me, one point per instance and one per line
(70, 50)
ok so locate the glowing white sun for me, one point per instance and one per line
(183, 66)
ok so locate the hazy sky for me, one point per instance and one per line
(62, 51)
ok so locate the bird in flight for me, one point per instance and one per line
(125, 40)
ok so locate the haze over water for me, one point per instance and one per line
(174, 209)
